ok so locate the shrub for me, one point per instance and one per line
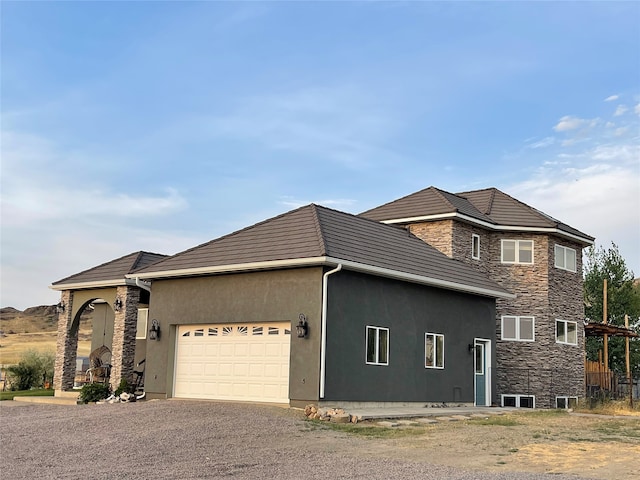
(23, 376)
(33, 370)
(94, 392)
(124, 387)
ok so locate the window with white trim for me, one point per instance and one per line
(566, 402)
(475, 246)
(519, 401)
(565, 258)
(141, 324)
(433, 350)
(566, 332)
(516, 251)
(377, 346)
(521, 329)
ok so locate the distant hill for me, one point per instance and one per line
(43, 318)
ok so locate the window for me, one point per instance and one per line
(475, 247)
(565, 258)
(141, 325)
(566, 332)
(433, 350)
(377, 346)
(566, 402)
(517, 251)
(519, 401)
(518, 328)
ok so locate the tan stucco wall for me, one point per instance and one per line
(270, 296)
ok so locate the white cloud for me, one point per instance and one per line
(569, 122)
(611, 98)
(620, 110)
(341, 122)
(545, 142)
(636, 109)
(596, 192)
(619, 132)
(54, 219)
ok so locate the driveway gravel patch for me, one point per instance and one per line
(179, 439)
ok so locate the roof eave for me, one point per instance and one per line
(421, 279)
(588, 241)
(90, 285)
(323, 261)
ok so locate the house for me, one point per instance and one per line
(314, 305)
(436, 297)
(539, 333)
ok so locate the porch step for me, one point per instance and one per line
(70, 398)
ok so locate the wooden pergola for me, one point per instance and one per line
(599, 371)
(601, 329)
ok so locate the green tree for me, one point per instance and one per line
(623, 298)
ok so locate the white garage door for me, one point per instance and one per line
(233, 362)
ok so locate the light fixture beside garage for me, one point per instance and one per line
(154, 332)
(302, 327)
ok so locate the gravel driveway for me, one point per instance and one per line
(191, 439)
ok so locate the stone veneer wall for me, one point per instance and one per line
(124, 335)
(437, 234)
(66, 346)
(542, 368)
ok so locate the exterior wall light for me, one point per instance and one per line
(302, 326)
(117, 305)
(472, 347)
(154, 331)
(60, 307)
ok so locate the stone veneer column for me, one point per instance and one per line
(123, 347)
(66, 346)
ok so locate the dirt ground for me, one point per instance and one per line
(538, 442)
(168, 439)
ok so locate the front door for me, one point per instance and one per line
(482, 355)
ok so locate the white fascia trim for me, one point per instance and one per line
(87, 285)
(491, 226)
(318, 261)
(238, 267)
(410, 277)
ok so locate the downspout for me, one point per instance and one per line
(144, 285)
(323, 345)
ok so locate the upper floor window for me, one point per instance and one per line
(517, 251)
(475, 247)
(566, 332)
(565, 258)
(377, 346)
(518, 328)
(433, 350)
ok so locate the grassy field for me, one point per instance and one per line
(13, 345)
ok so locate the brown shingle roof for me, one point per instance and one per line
(329, 237)
(113, 271)
(427, 202)
(489, 205)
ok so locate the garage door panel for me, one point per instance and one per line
(233, 362)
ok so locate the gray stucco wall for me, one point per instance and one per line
(409, 311)
(269, 296)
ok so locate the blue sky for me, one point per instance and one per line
(159, 126)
